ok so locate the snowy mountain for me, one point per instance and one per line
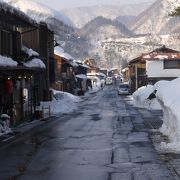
(156, 18)
(126, 20)
(41, 13)
(153, 28)
(103, 28)
(127, 48)
(82, 15)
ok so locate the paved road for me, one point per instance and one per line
(105, 139)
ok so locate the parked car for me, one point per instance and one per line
(123, 89)
(109, 80)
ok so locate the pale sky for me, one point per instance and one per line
(60, 4)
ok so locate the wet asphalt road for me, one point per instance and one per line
(105, 139)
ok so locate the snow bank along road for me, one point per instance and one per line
(105, 139)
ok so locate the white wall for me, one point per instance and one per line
(156, 69)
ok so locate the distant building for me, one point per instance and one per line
(137, 73)
(93, 68)
(64, 71)
(160, 64)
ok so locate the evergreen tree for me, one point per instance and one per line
(176, 12)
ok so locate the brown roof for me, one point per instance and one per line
(162, 53)
(164, 49)
(138, 59)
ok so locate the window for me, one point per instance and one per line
(6, 43)
(172, 64)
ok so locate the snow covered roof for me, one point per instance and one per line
(96, 74)
(73, 63)
(161, 56)
(60, 52)
(7, 62)
(29, 51)
(7, 7)
(102, 74)
(83, 65)
(81, 76)
(40, 12)
(35, 63)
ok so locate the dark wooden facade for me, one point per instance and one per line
(28, 86)
(82, 83)
(64, 75)
(92, 65)
(137, 74)
(42, 41)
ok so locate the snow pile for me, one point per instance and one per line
(168, 95)
(4, 124)
(140, 98)
(96, 83)
(63, 102)
(39, 12)
(81, 76)
(35, 63)
(5, 62)
(29, 51)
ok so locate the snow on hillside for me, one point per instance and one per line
(103, 28)
(40, 12)
(113, 47)
(156, 18)
(82, 15)
(115, 51)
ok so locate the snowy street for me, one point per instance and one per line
(106, 138)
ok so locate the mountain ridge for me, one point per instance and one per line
(82, 15)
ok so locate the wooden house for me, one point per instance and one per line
(65, 68)
(93, 68)
(162, 64)
(104, 71)
(41, 39)
(113, 72)
(82, 81)
(137, 73)
(18, 95)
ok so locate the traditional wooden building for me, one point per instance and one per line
(137, 73)
(65, 68)
(21, 71)
(104, 71)
(162, 64)
(82, 81)
(41, 39)
(93, 68)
